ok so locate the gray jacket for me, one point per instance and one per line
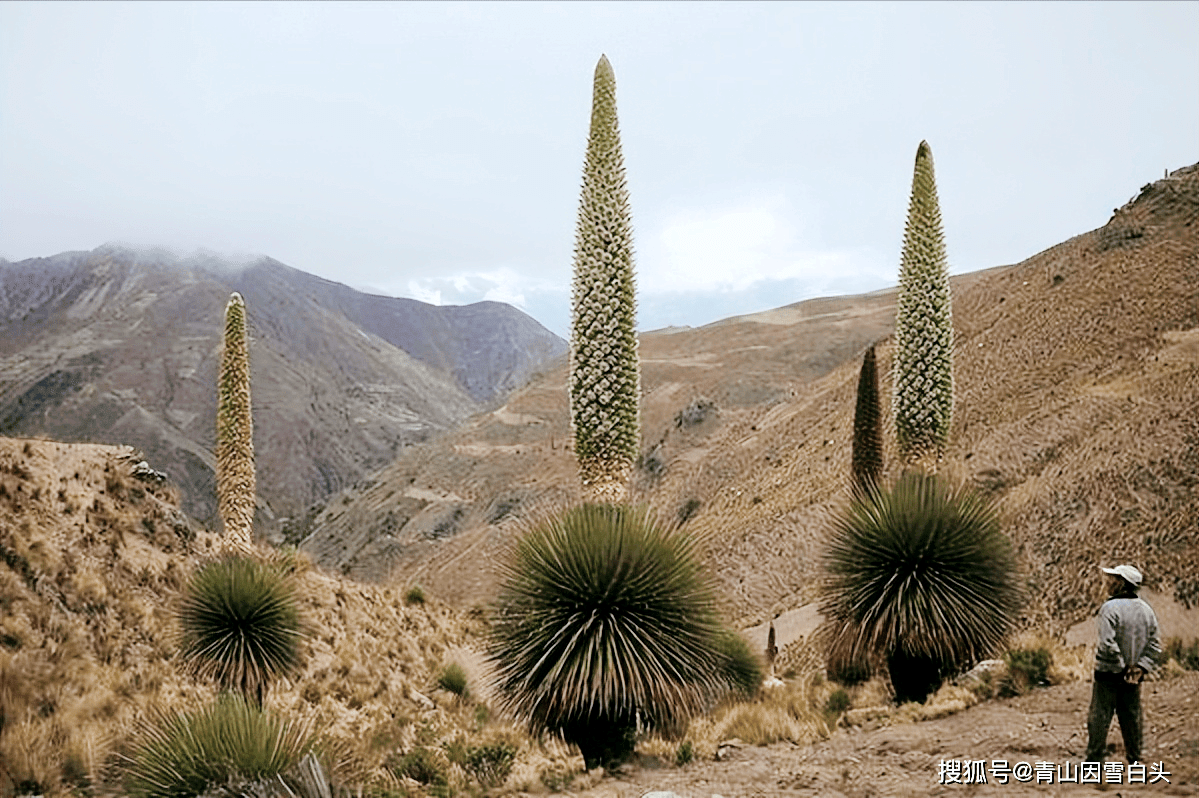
(1127, 635)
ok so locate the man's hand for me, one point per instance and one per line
(1133, 674)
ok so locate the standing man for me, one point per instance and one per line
(1128, 649)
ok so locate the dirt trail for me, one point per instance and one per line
(1046, 725)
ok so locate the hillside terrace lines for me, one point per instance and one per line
(700, 360)
(770, 465)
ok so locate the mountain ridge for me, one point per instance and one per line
(120, 346)
(1076, 374)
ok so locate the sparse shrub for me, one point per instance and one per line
(241, 625)
(556, 778)
(605, 615)
(927, 575)
(414, 595)
(1026, 668)
(1187, 655)
(761, 724)
(743, 669)
(503, 508)
(420, 764)
(688, 509)
(694, 413)
(453, 679)
(837, 702)
(651, 463)
(685, 753)
(491, 763)
(183, 755)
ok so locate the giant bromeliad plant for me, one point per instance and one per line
(603, 617)
(919, 576)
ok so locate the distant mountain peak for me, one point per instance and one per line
(119, 345)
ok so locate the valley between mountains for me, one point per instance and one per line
(396, 450)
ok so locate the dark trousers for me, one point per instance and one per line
(1110, 693)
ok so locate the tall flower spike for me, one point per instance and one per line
(923, 370)
(235, 432)
(867, 428)
(605, 374)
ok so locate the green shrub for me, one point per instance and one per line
(743, 668)
(926, 575)
(183, 755)
(421, 764)
(414, 595)
(837, 702)
(1026, 668)
(453, 679)
(241, 625)
(603, 616)
(1186, 655)
(490, 764)
(685, 753)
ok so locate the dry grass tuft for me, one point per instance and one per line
(89, 639)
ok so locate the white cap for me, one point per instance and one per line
(1129, 574)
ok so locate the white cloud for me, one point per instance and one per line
(418, 291)
(740, 249)
(499, 284)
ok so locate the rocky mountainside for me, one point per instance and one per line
(117, 346)
(1076, 377)
(94, 557)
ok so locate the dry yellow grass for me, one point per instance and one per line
(88, 637)
(1075, 409)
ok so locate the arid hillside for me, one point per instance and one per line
(1076, 377)
(93, 561)
(121, 347)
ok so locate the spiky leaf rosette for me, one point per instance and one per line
(183, 755)
(235, 431)
(867, 427)
(922, 573)
(605, 375)
(241, 625)
(923, 369)
(603, 613)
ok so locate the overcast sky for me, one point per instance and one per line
(435, 150)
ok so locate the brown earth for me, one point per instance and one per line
(93, 561)
(1076, 374)
(1045, 725)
